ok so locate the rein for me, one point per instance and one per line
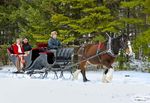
(97, 54)
(103, 52)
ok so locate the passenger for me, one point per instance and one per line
(27, 47)
(18, 51)
(53, 42)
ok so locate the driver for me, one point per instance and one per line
(53, 42)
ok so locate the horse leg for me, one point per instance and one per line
(82, 70)
(83, 67)
(84, 76)
(107, 75)
(75, 74)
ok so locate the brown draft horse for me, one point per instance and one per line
(105, 56)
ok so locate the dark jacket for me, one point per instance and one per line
(26, 47)
(53, 43)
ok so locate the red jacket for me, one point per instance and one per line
(15, 49)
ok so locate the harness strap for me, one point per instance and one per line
(103, 52)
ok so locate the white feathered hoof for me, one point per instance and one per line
(75, 74)
(107, 78)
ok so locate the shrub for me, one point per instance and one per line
(3, 54)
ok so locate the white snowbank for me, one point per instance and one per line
(126, 87)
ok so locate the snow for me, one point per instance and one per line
(126, 87)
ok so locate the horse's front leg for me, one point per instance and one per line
(107, 75)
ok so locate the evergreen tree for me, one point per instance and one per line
(142, 40)
(75, 18)
(7, 28)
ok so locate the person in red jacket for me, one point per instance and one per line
(18, 51)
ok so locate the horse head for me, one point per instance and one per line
(123, 40)
(120, 42)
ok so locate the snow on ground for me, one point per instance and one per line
(126, 87)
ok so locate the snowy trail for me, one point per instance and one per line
(126, 87)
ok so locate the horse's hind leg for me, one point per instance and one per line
(83, 67)
(107, 75)
(84, 75)
(75, 74)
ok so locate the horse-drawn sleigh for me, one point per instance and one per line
(41, 60)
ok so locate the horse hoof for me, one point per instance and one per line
(86, 80)
(107, 80)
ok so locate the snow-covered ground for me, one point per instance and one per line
(126, 87)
